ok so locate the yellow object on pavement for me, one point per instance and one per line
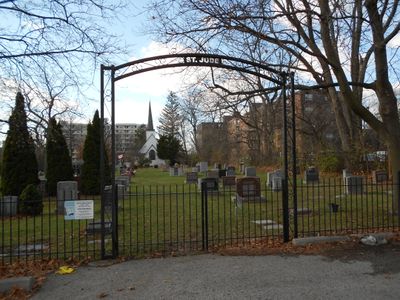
(65, 270)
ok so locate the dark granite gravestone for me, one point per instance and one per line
(221, 173)
(354, 185)
(191, 178)
(379, 176)
(211, 184)
(231, 171)
(311, 175)
(229, 182)
(248, 189)
(250, 172)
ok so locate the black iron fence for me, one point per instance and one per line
(157, 220)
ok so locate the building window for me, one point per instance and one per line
(152, 155)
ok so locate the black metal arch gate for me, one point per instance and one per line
(136, 67)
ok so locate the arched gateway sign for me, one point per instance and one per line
(180, 60)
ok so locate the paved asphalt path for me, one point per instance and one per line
(364, 274)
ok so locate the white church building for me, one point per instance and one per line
(149, 149)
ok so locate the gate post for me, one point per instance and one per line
(294, 157)
(204, 216)
(102, 197)
(114, 197)
(285, 190)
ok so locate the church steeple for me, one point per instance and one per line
(150, 120)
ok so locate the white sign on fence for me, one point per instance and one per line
(79, 210)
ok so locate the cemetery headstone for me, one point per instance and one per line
(214, 173)
(192, 178)
(250, 172)
(211, 184)
(379, 176)
(176, 171)
(123, 180)
(229, 182)
(345, 173)
(203, 166)
(230, 171)
(66, 190)
(354, 185)
(8, 206)
(311, 175)
(221, 173)
(241, 168)
(248, 189)
(276, 184)
(272, 175)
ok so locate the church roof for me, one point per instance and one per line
(150, 120)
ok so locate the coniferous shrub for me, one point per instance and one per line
(90, 172)
(59, 164)
(19, 167)
(30, 201)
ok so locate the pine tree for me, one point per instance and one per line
(19, 167)
(170, 118)
(90, 173)
(169, 147)
(59, 164)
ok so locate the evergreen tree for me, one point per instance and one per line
(90, 173)
(59, 164)
(169, 147)
(19, 167)
(170, 118)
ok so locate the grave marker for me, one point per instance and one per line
(248, 189)
(229, 182)
(214, 173)
(191, 178)
(210, 182)
(66, 190)
(250, 172)
(203, 166)
(230, 171)
(311, 175)
(354, 185)
(221, 173)
(379, 176)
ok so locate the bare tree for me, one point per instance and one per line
(51, 49)
(343, 46)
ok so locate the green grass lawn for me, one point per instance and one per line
(161, 214)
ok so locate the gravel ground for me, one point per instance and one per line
(364, 273)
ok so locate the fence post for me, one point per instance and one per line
(114, 222)
(204, 216)
(285, 208)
